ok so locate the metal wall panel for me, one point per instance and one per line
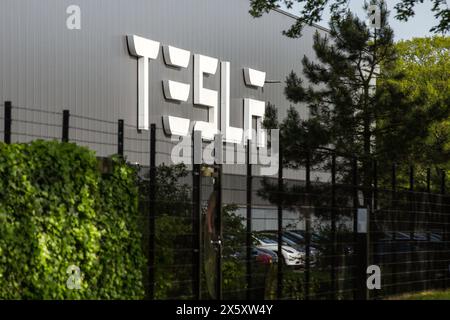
(45, 66)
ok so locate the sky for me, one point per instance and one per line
(417, 26)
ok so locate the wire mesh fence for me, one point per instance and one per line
(217, 232)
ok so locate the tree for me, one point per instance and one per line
(340, 94)
(425, 63)
(348, 111)
(312, 11)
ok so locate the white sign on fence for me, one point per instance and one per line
(362, 220)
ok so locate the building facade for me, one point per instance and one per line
(51, 62)
(88, 57)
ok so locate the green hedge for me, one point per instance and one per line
(58, 210)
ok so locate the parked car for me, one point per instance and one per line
(264, 256)
(259, 255)
(291, 256)
(299, 241)
(295, 241)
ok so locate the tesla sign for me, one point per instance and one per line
(216, 101)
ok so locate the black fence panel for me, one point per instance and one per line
(226, 232)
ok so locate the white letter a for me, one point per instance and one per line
(73, 22)
(374, 281)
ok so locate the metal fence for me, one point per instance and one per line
(212, 234)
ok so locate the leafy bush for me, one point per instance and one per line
(57, 210)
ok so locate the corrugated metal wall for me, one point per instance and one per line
(45, 66)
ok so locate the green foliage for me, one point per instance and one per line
(168, 279)
(340, 93)
(343, 103)
(424, 295)
(425, 64)
(234, 231)
(421, 135)
(312, 11)
(294, 285)
(308, 134)
(368, 97)
(234, 251)
(57, 210)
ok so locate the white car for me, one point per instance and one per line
(291, 256)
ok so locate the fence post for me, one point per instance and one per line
(445, 212)
(411, 200)
(196, 217)
(120, 138)
(8, 121)
(443, 178)
(308, 225)
(280, 224)
(249, 222)
(411, 178)
(413, 222)
(65, 128)
(361, 242)
(375, 185)
(444, 199)
(394, 180)
(394, 204)
(218, 191)
(356, 284)
(372, 230)
(334, 260)
(429, 223)
(152, 212)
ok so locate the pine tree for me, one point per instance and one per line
(348, 111)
